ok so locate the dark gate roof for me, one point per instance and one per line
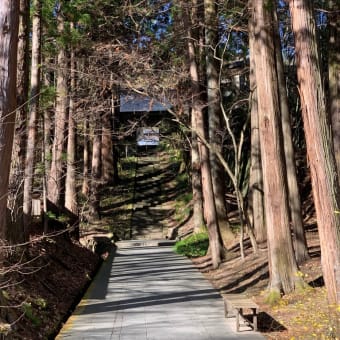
(139, 103)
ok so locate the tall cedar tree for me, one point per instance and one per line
(192, 20)
(319, 143)
(70, 181)
(215, 116)
(15, 200)
(56, 174)
(107, 147)
(334, 75)
(282, 264)
(196, 180)
(33, 113)
(96, 167)
(9, 24)
(295, 209)
(197, 112)
(255, 194)
(86, 156)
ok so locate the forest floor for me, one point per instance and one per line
(41, 283)
(303, 314)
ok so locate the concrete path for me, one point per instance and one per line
(146, 292)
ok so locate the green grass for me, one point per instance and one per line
(193, 246)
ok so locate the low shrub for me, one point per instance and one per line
(193, 246)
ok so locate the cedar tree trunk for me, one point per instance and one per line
(319, 143)
(15, 199)
(56, 175)
(9, 22)
(255, 198)
(334, 75)
(282, 264)
(295, 210)
(208, 195)
(33, 114)
(214, 118)
(70, 182)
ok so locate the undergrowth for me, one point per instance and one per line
(193, 246)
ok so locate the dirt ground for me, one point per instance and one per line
(303, 314)
(40, 284)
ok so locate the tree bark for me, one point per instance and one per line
(56, 175)
(208, 195)
(9, 22)
(334, 76)
(70, 182)
(15, 199)
(196, 181)
(255, 195)
(295, 210)
(33, 114)
(214, 118)
(96, 167)
(325, 183)
(46, 153)
(107, 149)
(86, 158)
(190, 19)
(282, 264)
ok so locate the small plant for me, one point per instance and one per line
(182, 181)
(42, 303)
(193, 246)
(51, 215)
(63, 218)
(27, 309)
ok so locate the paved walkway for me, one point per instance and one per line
(146, 292)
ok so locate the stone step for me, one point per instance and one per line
(145, 243)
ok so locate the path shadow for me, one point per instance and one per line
(154, 299)
(98, 288)
(266, 324)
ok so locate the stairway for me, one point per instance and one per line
(150, 208)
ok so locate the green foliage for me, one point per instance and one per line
(47, 97)
(193, 246)
(5, 294)
(269, 5)
(27, 309)
(51, 215)
(128, 165)
(42, 303)
(176, 156)
(63, 218)
(40, 169)
(182, 207)
(183, 181)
